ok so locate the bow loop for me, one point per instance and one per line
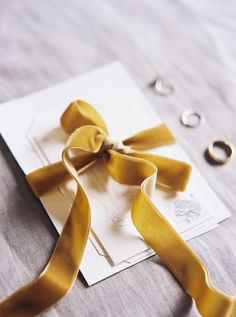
(80, 113)
(151, 138)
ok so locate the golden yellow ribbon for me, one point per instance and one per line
(89, 142)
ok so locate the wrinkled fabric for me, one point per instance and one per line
(190, 42)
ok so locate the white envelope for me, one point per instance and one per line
(30, 127)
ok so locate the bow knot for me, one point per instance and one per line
(112, 144)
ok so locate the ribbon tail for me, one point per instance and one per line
(179, 258)
(46, 178)
(177, 255)
(62, 269)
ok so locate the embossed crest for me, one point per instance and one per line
(187, 210)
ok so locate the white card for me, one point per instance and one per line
(110, 201)
(114, 243)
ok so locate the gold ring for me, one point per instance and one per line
(226, 146)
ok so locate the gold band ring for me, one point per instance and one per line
(226, 146)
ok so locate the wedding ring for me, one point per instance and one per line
(226, 146)
(163, 87)
(192, 118)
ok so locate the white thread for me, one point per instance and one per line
(112, 144)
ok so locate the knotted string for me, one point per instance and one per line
(89, 137)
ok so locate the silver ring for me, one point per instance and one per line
(191, 113)
(163, 87)
(226, 146)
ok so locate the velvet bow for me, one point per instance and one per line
(88, 142)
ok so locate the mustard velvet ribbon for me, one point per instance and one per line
(88, 142)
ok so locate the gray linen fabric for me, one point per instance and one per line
(193, 44)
